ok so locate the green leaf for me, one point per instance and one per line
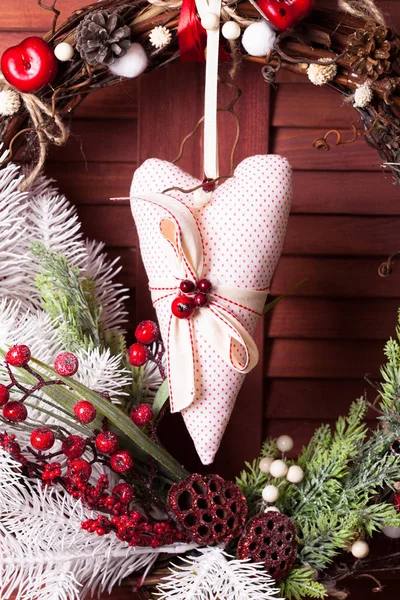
(161, 398)
(300, 583)
(273, 303)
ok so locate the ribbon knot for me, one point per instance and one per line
(216, 321)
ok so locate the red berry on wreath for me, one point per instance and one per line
(15, 411)
(204, 285)
(30, 65)
(270, 538)
(85, 412)
(138, 355)
(79, 470)
(285, 14)
(396, 500)
(66, 364)
(18, 356)
(121, 461)
(73, 446)
(186, 286)
(107, 442)
(200, 300)
(141, 415)
(124, 492)
(209, 509)
(42, 438)
(147, 332)
(182, 307)
(4, 394)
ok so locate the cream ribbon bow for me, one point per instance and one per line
(183, 247)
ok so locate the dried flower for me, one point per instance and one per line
(10, 102)
(320, 74)
(363, 95)
(370, 51)
(101, 38)
(160, 36)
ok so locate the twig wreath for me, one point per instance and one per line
(88, 495)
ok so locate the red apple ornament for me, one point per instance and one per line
(30, 65)
(284, 14)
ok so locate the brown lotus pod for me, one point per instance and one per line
(270, 538)
(208, 508)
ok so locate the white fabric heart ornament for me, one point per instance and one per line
(233, 237)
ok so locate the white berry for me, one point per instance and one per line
(295, 474)
(265, 464)
(272, 509)
(258, 38)
(278, 468)
(391, 532)
(397, 486)
(360, 549)
(270, 493)
(210, 21)
(285, 443)
(64, 51)
(230, 30)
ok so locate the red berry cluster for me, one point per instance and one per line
(147, 333)
(193, 295)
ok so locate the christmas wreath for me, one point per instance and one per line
(88, 495)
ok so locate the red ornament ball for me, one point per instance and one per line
(209, 509)
(141, 415)
(182, 307)
(85, 412)
(18, 356)
(30, 65)
(200, 300)
(147, 332)
(124, 492)
(73, 446)
(66, 364)
(204, 285)
(121, 461)
(186, 286)
(270, 538)
(107, 442)
(15, 411)
(42, 438)
(138, 355)
(79, 470)
(4, 394)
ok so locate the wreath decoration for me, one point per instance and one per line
(88, 495)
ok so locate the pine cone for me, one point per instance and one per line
(370, 51)
(101, 38)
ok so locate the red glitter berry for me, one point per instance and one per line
(396, 500)
(51, 471)
(66, 364)
(107, 442)
(4, 395)
(142, 415)
(200, 300)
(138, 355)
(147, 332)
(15, 411)
(79, 470)
(42, 438)
(208, 508)
(186, 286)
(73, 446)
(18, 356)
(124, 492)
(121, 461)
(204, 285)
(85, 412)
(270, 538)
(182, 307)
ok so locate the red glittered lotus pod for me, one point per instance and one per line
(208, 508)
(270, 538)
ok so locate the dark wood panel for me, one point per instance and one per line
(115, 102)
(296, 144)
(325, 359)
(112, 224)
(313, 398)
(96, 140)
(316, 318)
(335, 277)
(26, 15)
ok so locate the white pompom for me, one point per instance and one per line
(265, 464)
(270, 493)
(272, 509)
(284, 443)
(391, 532)
(210, 21)
(64, 52)
(230, 30)
(363, 95)
(258, 38)
(278, 468)
(132, 64)
(295, 474)
(360, 549)
(10, 103)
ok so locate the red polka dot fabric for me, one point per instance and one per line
(243, 228)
